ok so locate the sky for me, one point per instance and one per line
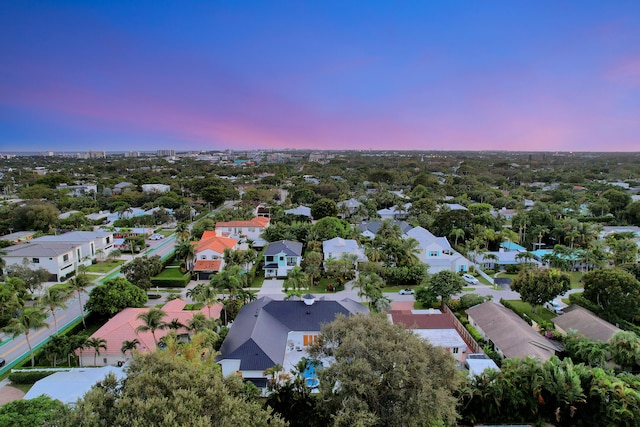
(383, 75)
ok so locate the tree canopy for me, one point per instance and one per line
(115, 295)
(540, 285)
(141, 270)
(615, 291)
(383, 375)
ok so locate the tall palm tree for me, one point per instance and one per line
(129, 346)
(152, 321)
(182, 230)
(296, 279)
(186, 252)
(207, 296)
(409, 250)
(96, 344)
(55, 297)
(456, 233)
(79, 284)
(56, 348)
(29, 319)
(175, 324)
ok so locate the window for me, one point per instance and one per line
(108, 240)
(65, 257)
(455, 350)
(269, 258)
(309, 340)
(433, 253)
(35, 260)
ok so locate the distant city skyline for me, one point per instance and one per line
(330, 75)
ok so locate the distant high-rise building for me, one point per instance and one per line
(132, 154)
(165, 153)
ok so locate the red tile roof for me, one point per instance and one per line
(123, 326)
(258, 221)
(215, 243)
(207, 265)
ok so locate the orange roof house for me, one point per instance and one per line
(122, 327)
(209, 253)
(244, 230)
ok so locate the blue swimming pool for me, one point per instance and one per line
(309, 374)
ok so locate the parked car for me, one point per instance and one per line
(406, 292)
(2, 362)
(156, 237)
(470, 279)
(554, 307)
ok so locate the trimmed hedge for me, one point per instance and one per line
(474, 333)
(180, 282)
(28, 377)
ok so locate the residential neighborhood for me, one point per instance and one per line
(252, 273)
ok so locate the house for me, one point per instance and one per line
(78, 190)
(299, 211)
(434, 326)
(510, 246)
(395, 213)
(370, 229)
(19, 237)
(122, 327)
(348, 207)
(509, 335)
(59, 259)
(72, 384)
(209, 254)
(244, 230)
(92, 243)
(270, 332)
(156, 188)
(61, 255)
(281, 257)
(585, 323)
(437, 252)
(336, 247)
(497, 259)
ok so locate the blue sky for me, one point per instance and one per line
(455, 75)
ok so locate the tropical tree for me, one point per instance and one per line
(79, 284)
(312, 265)
(182, 230)
(186, 252)
(55, 297)
(208, 296)
(444, 284)
(456, 233)
(625, 348)
(296, 279)
(96, 344)
(383, 375)
(56, 348)
(129, 346)
(615, 291)
(175, 324)
(115, 295)
(29, 319)
(152, 321)
(141, 270)
(540, 285)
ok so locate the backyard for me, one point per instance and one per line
(576, 278)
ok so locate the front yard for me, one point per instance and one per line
(541, 314)
(104, 266)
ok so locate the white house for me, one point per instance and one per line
(156, 188)
(244, 230)
(437, 252)
(336, 247)
(209, 254)
(92, 243)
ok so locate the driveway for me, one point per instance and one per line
(272, 288)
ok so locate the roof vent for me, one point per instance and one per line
(308, 299)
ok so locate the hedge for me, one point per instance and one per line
(474, 333)
(171, 282)
(28, 377)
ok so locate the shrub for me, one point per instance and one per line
(28, 377)
(474, 333)
(194, 307)
(154, 296)
(171, 282)
(489, 272)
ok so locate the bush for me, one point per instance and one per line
(489, 272)
(512, 268)
(28, 377)
(469, 300)
(154, 296)
(171, 282)
(474, 333)
(194, 307)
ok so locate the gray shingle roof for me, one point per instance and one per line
(586, 323)
(287, 247)
(258, 336)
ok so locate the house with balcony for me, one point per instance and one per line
(244, 231)
(209, 254)
(280, 257)
(271, 332)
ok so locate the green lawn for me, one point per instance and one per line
(104, 266)
(170, 273)
(542, 314)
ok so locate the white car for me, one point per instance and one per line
(554, 307)
(156, 237)
(470, 279)
(406, 292)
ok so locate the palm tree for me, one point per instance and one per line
(57, 347)
(79, 284)
(96, 344)
(409, 250)
(296, 279)
(129, 346)
(456, 233)
(186, 252)
(76, 342)
(152, 321)
(182, 230)
(53, 298)
(175, 324)
(208, 296)
(198, 323)
(491, 258)
(29, 319)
